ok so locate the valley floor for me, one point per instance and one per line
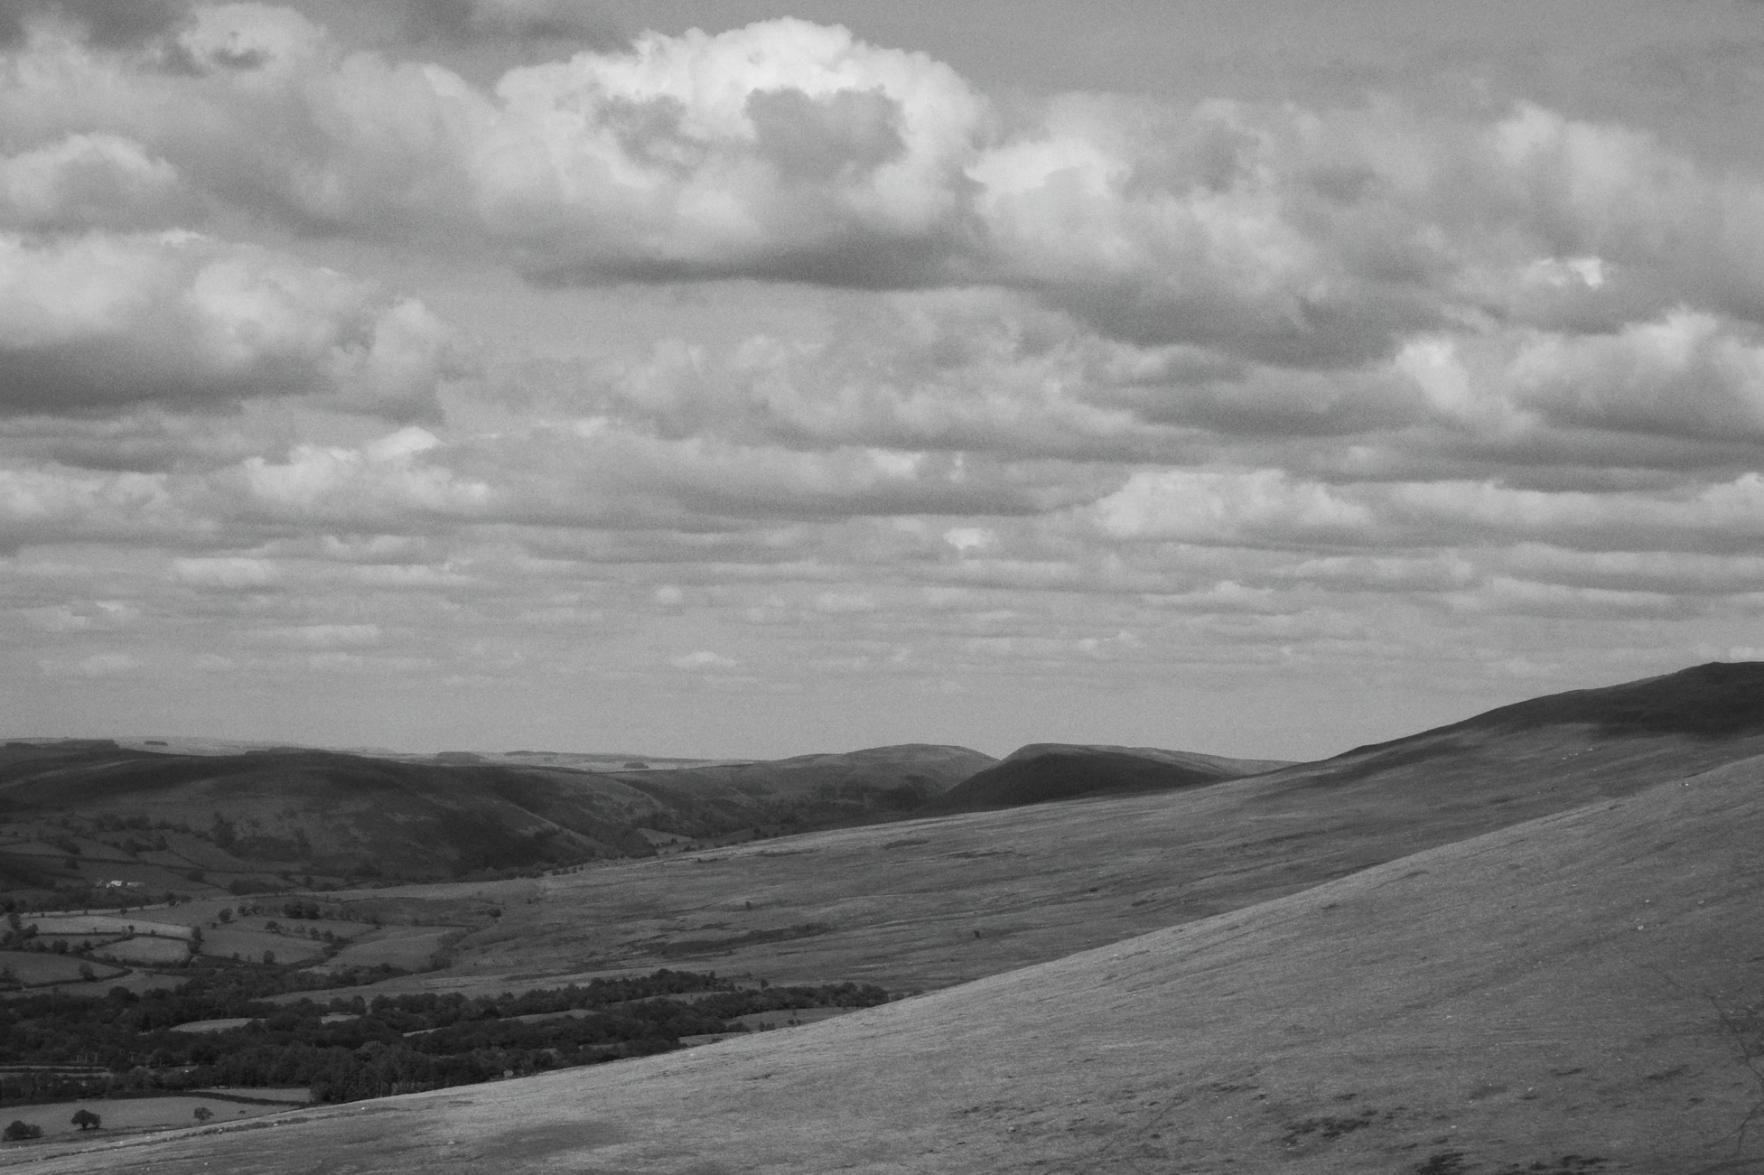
(1579, 992)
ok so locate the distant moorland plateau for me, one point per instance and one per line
(1530, 941)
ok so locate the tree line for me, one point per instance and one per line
(345, 1049)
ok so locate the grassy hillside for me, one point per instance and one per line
(1574, 993)
(931, 902)
(1522, 943)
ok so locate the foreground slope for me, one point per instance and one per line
(1581, 992)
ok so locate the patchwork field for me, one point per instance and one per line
(1569, 986)
(147, 951)
(407, 947)
(39, 967)
(120, 1115)
(107, 924)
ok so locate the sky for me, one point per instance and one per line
(1257, 378)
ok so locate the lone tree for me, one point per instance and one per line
(21, 1130)
(202, 1113)
(86, 1119)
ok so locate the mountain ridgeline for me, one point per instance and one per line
(153, 817)
(92, 812)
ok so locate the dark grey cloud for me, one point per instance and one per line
(111, 24)
(464, 22)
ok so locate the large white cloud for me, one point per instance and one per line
(784, 149)
(100, 322)
(791, 150)
(90, 181)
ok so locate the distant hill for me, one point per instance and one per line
(1044, 772)
(97, 813)
(171, 815)
(894, 779)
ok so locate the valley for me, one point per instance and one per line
(1523, 942)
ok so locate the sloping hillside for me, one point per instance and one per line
(1576, 993)
(1605, 740)
(1499, 947)
(931, 902)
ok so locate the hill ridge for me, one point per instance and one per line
(1715, 699)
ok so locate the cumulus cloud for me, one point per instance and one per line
(90, 181)
(1250, 508)
(703, 659)
(391, 482)
(1257, 508)
(938, 371)
(595, 472)
(97, 323)
(61, 505)
(1316, 237)
(1686, 374)
(260, 112)
(783, 149)
(324, 636)
(226, 573)
(100, 665)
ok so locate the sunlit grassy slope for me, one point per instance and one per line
(1507, 946)
(1583, 984)
(927, 903)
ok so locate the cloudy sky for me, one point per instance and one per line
(1258, 377)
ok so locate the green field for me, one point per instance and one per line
(244, 943)
(145, 1113)
(408, 947)
(35, 967)
(106, 924)
(147, 951)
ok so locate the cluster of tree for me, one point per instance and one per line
(15, 932)
(353, 1048)
(19, 1130)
